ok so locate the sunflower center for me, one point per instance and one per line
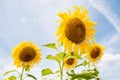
(75, 30)
(27, 54)
(70, 61)
(95, 52)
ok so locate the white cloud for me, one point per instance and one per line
(110, 60)
(24, 19)
(109, 66)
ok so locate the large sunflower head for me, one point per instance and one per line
(70, 62)
(26, 54)
(75, 30)
(95, 53)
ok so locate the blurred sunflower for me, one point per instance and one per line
(95, 53)
(75, 30)
(26, 54)
(70, 62)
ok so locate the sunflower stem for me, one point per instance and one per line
(22, 74)
(61, 69)
(88, 65)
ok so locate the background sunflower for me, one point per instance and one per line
(95, 53)
(70, 62)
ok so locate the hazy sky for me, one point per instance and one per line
(35, 20)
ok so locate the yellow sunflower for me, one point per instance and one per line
(75, 30)
(95, 53)
(70, 62)
(26, 54)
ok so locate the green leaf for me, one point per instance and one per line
(86, 75)
(51, 45)
(82, 64)
(57, 71)
(12, 78)
(46, 71)
(32, 76)
(27, 69)
(79, 65)
(79, 57)
(96, 72)
(85, 63)
(6, 73)
(72, 71)
(60, 56)
(51, 57)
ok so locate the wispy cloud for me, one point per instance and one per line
(112, 40)
(104, 8)
(107, 11)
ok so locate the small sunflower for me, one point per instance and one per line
(26, 54)
(70, 62)
(95, 53)
(75, 30)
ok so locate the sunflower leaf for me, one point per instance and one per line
(96, 72)
(12, 78)
(6, 73)
(60, 56)
(51, 45)
(46, 71)
(84, 75)
(50, 57)
(79, 65)
(57, 71)
(32, 76)
(82, 64)
(27, 69)
(85, 63)
(79, 57)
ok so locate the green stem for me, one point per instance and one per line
(88, 65)
(22, 74)
(61, 69)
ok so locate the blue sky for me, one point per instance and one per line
(35, 20)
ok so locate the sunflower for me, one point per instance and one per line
(95, 53)
(75, 30)
(26, 54)
(70, 62)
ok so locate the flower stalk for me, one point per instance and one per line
(61, 70)
(21, 76)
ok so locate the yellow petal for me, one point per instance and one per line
(76, 49)
(62, 15)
